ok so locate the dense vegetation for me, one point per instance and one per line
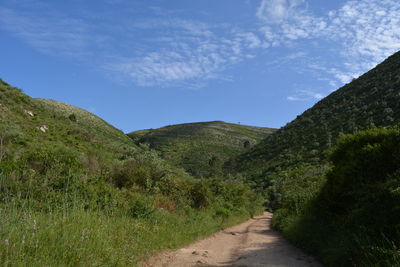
(201, 148)
(337, 197)
(353, 220)
(75, 191)
(372, 99)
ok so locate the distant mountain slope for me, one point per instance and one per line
(201, 148)
(373, 98)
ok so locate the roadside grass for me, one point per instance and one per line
(97, 238)
(96, 224)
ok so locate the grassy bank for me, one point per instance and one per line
(90, 238)
(97, 224)
(80, 220)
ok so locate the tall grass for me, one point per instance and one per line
(68, 221)
(90, 238)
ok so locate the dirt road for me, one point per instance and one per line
(252, 244)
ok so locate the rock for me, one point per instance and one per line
(195, 252)
(30, 113)
(43, 128)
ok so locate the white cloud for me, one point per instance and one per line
(305, 95)
(176, 51)
(365, 31)
(294, 98)
(367, 34)
(252, 41)
(287, 20)
(166, 68)
(170, 50)
(198, 52)
(276, 11)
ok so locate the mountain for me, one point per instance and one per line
(371, 99)
(90, 196)
(337, 195)
(201, 148)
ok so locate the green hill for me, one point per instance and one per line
(86, 121)
(201, 148)
(75, 191)
(372, 99)
(37, 123)
(332, 178)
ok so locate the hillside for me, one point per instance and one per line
(87, 121)
(40, 122)
(333, 186)
(76, 191)
(372, 99)
(201, 148)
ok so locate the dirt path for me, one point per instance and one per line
(252, 244)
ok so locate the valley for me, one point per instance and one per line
(76, 191)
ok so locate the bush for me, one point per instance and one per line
(130, 173)
(362, 160)
(140, 207)
(201, 195)
(353, 220)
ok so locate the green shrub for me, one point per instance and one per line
(353, 220)
(201, 195)
(131, 173)
(141, 207)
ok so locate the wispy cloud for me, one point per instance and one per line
(305, 95)
(287, 20)
(277, 11)
(193, 52)
(364, 31)
(172, 51)
(51, 34)
(167, 67)
(369, 31)
(177, 52)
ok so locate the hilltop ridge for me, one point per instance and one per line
(201, 148)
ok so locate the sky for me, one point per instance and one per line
(143, 64)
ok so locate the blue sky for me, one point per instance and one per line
(150, 63)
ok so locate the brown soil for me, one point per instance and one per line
(252, 244)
